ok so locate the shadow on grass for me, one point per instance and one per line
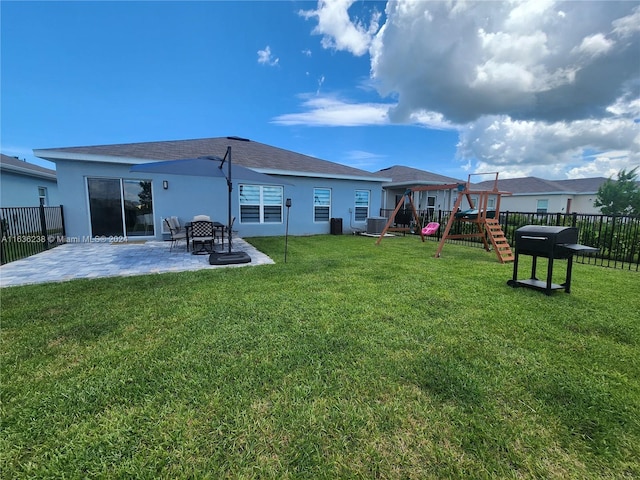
(590, 413)
(447, 380)
(90, 330)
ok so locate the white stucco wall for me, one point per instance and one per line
(557, 203)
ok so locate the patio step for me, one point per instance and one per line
(499, 241)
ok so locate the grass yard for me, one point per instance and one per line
(349, 361)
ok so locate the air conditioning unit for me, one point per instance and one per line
(375, 225)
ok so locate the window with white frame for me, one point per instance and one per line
(542, 206)
(42, 195)
(362, 205)
(261, 203)
(321, 204)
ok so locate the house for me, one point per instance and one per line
(533, 194)
(24, 184)
(102, 197)
(403, 178)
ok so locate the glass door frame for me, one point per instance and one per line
(123, 217)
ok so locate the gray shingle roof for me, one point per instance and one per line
(13, 164)
(407, 175)
(583, 185)
(245, 152)
(530, 185)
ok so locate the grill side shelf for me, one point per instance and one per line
(577, 248)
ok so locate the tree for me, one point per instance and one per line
(620, 197)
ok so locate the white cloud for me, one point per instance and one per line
(550, 150)
(266, 58)
(605, 164)
(362, 159)
(534, 85)
(627, 25)
(338, 30)
(320, 83)
(331, 112)
(595, 45)
(540, 60)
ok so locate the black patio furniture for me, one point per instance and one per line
(198, 233)
(203, 236)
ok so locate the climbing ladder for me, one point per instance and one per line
(498, 240)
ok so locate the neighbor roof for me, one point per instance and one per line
(408, 176)
(258, 156)
(583, 185)
(15, 165)
(534, 185)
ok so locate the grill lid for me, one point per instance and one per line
(539, 234)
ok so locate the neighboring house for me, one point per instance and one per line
(103, 198)
(403, 178)
(24, 184)
(533, 194)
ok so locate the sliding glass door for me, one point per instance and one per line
(120, 207)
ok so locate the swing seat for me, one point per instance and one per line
(431, 228)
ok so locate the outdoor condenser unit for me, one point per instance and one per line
(375, 225)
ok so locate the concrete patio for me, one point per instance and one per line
(94, 260)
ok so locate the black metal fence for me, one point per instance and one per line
(29, 230)
(616, 237)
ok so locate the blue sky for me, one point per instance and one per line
(539, 88)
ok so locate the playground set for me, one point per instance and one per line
(479, 213)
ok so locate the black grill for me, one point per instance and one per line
(548, 242)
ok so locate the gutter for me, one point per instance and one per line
(337, 176)
(53, 155)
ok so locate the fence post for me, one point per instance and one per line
(2, 240)
(64, 230)
(43, 228)
(574, 219)
(506, 227)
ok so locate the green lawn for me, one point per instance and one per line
(349, 361)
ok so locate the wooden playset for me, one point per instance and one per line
(480, 214)
(403, 200)
(484, 217)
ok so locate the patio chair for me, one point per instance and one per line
(202, 235)
(176, 233)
